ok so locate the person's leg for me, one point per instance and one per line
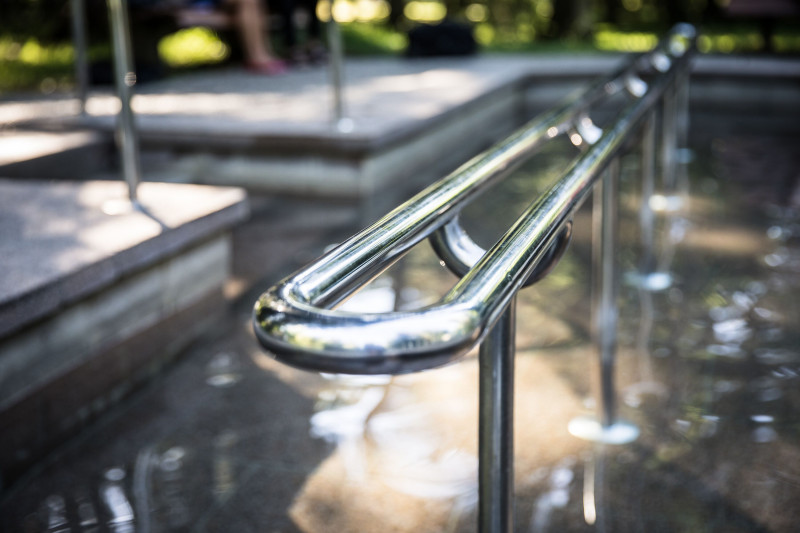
(251, 24)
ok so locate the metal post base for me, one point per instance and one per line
(120, 206)
(590, 429)
(345, 125)
(652, 282)
(666, 203)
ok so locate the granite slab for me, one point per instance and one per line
(62, 241)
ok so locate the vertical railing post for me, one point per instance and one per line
(496, 426)
(606, 427)
(682, 130)
(646, 215)
(650, 276)
(668, 141)
(78, 12)
(605, 287)
(340, 121)
(125, 79)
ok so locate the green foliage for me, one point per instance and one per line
(747, 38)
(29, 64)
(192, 47)
(45, 20)
(35, 52)
(371, 39)
(16, 76)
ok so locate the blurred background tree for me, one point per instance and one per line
(35, 34)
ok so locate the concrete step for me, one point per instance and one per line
(54, 154)
(94, 296)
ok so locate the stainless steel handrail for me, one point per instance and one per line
(294, 321)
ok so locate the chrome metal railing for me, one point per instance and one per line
(296, 320)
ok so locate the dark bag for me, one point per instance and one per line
(443, 39)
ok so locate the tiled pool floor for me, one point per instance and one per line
(230, 440)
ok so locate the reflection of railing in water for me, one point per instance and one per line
(294, 319)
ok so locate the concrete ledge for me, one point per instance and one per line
(59, 155)
(92, 302)
(408, 116)
(746, 66)
(48, 415)
(47, 349)
(72, 248)
(411, 161)
(77, 279)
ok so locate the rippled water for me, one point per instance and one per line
(708, 370)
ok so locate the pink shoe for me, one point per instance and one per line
(270, 67)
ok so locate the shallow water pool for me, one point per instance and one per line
(708, 369)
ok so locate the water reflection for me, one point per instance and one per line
(556, 495)
(709, 371)
(117, 503)
(647, 385)
(414, 462)
(55, 513)
(383, 432)
(171, 489)
(345, 425)
(223, 370)
(87, 513)
(399, 445)
(224, 473)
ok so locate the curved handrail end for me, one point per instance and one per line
(303, 336)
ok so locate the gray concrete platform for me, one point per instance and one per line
(61, 242)
(96, 296)
(408, 120)
(55, 154)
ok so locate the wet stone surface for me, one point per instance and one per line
(708, 369)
